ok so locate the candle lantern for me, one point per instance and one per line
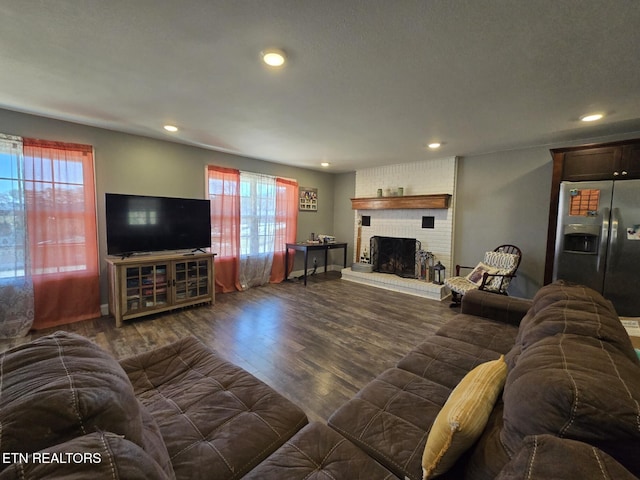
(438, 274)
(431, 258)
(424, 265)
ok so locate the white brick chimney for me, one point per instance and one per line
(419, 178)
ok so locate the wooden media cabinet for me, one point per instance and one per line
(147, 284)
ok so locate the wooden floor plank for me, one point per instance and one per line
(317, 345)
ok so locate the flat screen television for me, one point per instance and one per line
(137, 223)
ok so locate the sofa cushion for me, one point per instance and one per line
(488, 457)
(213, 415)
(62, 386)
(153, 443)
(319, 453)
(460, 345)
(445, 360)
(492, 335)
(390, 419)
(545, 457)
(576, 387)
(463, 417)
(563, 308)
(97, 455)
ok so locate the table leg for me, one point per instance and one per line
(326, 250)
(345, 256)
(286, 264)
(306, 257)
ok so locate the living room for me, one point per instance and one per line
(142, 165)
(501, 193)
(133, 164)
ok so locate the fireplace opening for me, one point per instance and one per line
(394, 255)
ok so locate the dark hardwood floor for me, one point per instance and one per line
(317, 345)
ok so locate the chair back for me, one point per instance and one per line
(512, 249)
(507, 259)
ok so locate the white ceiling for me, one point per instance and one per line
(368, 82)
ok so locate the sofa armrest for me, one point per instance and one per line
(495, 307)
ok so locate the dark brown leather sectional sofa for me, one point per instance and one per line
(570, 406)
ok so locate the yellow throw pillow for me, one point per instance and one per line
(463, 417)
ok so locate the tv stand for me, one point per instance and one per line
(144, 285)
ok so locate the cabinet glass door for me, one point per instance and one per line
(146, 287)
(192, 280)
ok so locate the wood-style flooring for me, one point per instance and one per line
(317, 345)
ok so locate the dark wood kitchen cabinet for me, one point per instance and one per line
(631, 161)
(615, 161)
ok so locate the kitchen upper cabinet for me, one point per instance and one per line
(591, 164)
(615, 161)
(630, 165)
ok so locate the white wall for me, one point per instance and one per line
(417, 178)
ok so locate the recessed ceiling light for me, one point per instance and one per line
(171, 128)
(273, 57)
(592, 117)
(434, 145)
(325, 164)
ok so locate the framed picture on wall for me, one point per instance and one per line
(308, 199)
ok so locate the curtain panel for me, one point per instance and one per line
(223, 187)
(16, 285)
(63, 241)
(257, 228)
(286, 226)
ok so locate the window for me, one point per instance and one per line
(61, 207)
(257, 214)
(253, 216)
(13, 242)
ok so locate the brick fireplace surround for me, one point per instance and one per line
(419, 178)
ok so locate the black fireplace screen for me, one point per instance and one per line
(394, 255)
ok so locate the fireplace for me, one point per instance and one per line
(394, 255)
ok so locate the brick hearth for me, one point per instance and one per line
(388, 281)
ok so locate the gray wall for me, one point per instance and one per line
(504, 197)
(501, 197)
(343, 214)
(138, 165)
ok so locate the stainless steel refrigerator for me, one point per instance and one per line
(598, 240)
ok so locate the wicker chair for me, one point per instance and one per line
(493, 274)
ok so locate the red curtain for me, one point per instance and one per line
(286, 226)
(223, 187)
(62, 233)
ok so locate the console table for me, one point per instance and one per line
(312, 247)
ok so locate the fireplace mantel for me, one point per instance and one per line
(408, 201)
